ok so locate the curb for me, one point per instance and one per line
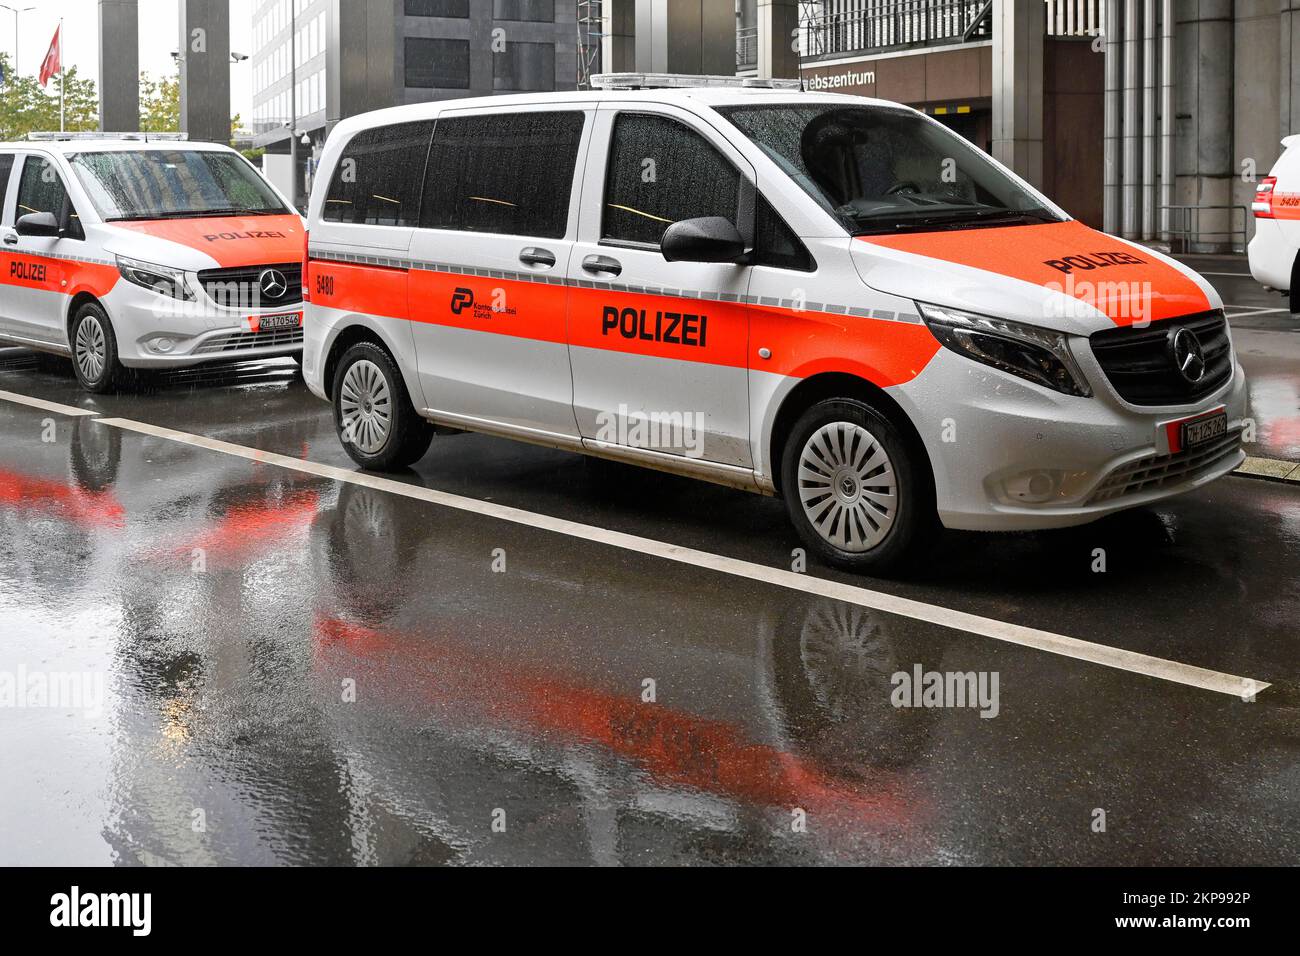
(1271, 469)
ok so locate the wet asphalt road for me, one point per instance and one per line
(300, 670)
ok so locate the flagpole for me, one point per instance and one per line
(62, 78)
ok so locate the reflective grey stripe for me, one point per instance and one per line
(19, 251)
(417, 265)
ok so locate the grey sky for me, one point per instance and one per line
(158, 38)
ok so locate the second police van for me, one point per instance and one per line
(145, 252)
(822, 297)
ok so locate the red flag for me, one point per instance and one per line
(53, 62)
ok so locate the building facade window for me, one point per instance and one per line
(438, 8)
(524, 66)
(437, 63)
(536, 11)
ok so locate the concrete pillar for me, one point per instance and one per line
(618, 43)
(1289, 65)
(778, 20)
(686, 36)
(119, 66)
(1111, 178)
(1018, 35)
(1150, 195)
(1203, 40)
(1131, 124)
(1166, 114)
(205, 69)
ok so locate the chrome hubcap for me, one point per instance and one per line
(847, 487)
(90, 348)
(366, 407)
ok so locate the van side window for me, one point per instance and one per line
(775, 243)
(661, 172)
(41, 189)
(510, 174)
(378, 176)
(6, 167)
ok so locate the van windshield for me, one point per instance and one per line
(174, 184)
(884, 170)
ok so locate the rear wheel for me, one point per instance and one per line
(94, 350)
(373, 415)
(855, 490)
(1295, 286)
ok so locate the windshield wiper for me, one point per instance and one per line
(957, 220)
(197, 214)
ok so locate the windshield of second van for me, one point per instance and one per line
(882, 170)
(174, 184)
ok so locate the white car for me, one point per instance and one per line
(1274, 253)
(818, 296)
(128, 254)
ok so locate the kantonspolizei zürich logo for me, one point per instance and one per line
(76, 909)
(1188, 354)
(273, 284)
(463, 299)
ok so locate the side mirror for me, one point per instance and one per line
(708, 239)
(37, 224)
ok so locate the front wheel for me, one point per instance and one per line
(373, 415)
(94, 351)
(859, 496)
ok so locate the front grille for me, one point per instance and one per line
(1157, 472)
(1138, 363)
(242, 288)
(247, 341)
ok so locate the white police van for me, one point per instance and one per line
(145, 251)
(811, 295)
(1274, 253)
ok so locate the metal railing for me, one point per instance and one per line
(1185, 228)
(746, 48)
(874, 24)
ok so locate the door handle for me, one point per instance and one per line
(602, 266)
(534, 256)
(11, 238)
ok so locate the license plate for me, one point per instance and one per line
(1200, 431)
(272, 323)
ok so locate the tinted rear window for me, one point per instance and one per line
(503, 173)
(377, 179)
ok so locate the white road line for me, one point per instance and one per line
(46, 406)
(850, 594)
(1225, 275)
(1251, 311)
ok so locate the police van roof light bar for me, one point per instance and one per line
(91, 135)
(686, 81)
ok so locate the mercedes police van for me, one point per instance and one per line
(811, 295)
(145, 251)
(1274, 253)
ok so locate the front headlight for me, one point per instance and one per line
(1039, 355)
(161, 279)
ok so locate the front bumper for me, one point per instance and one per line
(1008, 455)
(155, 332)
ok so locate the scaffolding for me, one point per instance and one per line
(591, 27)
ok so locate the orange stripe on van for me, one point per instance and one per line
(1071, 258)
(233, 241)
(52, 274)
(727, 334)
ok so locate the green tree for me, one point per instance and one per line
(160, 104)
(26, 107)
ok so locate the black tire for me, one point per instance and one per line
(405, 437)
(1294, 297)
(853, 502)
(103, 373)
